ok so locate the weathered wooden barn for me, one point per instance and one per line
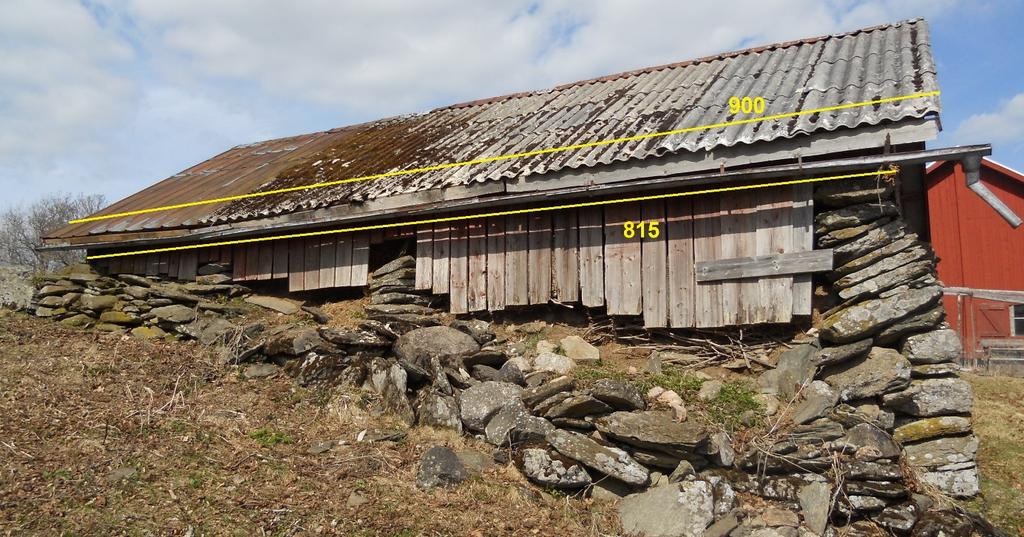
(981, 255)
(718, 259)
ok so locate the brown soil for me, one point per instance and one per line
(202, 451)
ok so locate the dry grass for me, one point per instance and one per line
(210, 453)
(999, 422)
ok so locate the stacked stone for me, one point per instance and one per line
(395, 301)
(891, 300)
(145, 307)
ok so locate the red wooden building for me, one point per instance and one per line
(981, 246)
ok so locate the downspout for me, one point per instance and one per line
(972, 170)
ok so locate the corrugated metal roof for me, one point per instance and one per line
(868, 64)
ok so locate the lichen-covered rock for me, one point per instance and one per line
(868, 436)
(579, 350)
(619, 394)
(119, 317)
(928, 428)
(290, 342)
(148, 332)
(513, 425)
(677, 510)
(442, 341)
(403, 262)
(391, 382)
(854, 191)
(871, 316)
(438, 410)
(795, 368)
(918, 322)
(872, 240)
(887, 280)
(933, 347)
(932, 397)
(845, 234)
(549, 361)
(934, 370)
(843, 353)
(538, 466)
(942, 452)
(962, 483)
(881, 371)
(476, 329)
(654, 430)
(440, 467)
(854, 215)
(610, 461)
(478, 404)
(99, 303)
(914, 253)
(544, 391)
(16, 288)
(577, 406)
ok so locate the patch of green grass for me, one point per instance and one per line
(56, 474)
(532, 340)
(734, 400)
(269, 438)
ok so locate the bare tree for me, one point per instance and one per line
(22, 229)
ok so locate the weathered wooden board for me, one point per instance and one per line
(161, 267)
(173, 262)
(189, 265)
(591, 242)
(266, 261)
(252, 261)
(343, 261)
(239, 266)
(622, 261)
(441, 258)
(496, 263)
(140, 263)
(152, 264)
(360, 258)
(296, 264)
(706, 247)
(425, 257)
(736, 225)
(280, 269)
(539, 258)
(311, 276)
(803, 240)
(654, 265)
(565, 264)
(477, 285)
(458, 297)
(765, 265)
(681, 283)
(516, 260)
(774, 236)
(328, 258)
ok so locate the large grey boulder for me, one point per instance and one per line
(942, 452)
(175, 313)
(865, 435)
(815, 500)
(16, 287)
(871, 316)
(881, 371)
(794, 368)
(618, 394)
(479, 403)
(513, 425)
(579, 350)
(918, 322)
(290, 342)
(933, 347)
(418, 345)
(653, 430)
(677, 510)
(440, 467)
(610, 461)
(391, 381)
(438, 410)
(538, 466)
(961, 483)
(932, 397)
(556, 363)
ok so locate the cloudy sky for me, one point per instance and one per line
(109, 96)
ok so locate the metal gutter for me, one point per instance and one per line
(972, 169)
(309, 220)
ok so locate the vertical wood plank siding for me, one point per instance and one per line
(571, 256)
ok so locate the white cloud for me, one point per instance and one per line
(113, 95)
(1006, 124)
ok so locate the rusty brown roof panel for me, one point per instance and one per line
(869, 64)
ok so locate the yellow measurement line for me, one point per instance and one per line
(508, 157)
(498, 213)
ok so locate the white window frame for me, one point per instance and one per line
(1016, 313)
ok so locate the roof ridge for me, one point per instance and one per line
(684, 63)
